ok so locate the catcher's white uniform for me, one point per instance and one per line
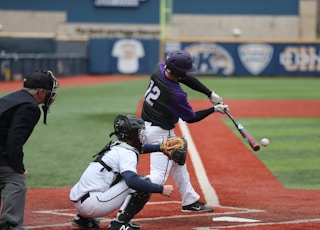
(111, 180)
(96, 181)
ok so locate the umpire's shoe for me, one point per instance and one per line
(127, 226)
(86, 223)
(196, 207)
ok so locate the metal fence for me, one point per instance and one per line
(14, 66)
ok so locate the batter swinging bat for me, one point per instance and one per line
(244, 133)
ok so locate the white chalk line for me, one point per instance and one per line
(244, 226)
(71, 213)
(209, 193)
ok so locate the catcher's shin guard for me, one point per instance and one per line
(133, 204)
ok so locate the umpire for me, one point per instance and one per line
(19, 114)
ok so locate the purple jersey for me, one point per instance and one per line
(165, 101)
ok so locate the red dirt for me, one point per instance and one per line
(78, 80)
(245, 187)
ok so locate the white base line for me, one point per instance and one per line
(208, 191)
(244, 226)
(62, 212)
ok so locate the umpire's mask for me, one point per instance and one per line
(45, 80)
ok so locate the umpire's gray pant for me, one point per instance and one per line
(13, 196)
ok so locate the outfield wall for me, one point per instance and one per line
(139, 56)
(233, 57)
(264, 58)
(118, 38)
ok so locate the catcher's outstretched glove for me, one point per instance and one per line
(176, 149)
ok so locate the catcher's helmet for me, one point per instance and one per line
(178, 63)
(127, 126)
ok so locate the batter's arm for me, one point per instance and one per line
(193, 83)
(201, 115)
(196, 85)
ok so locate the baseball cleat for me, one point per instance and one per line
(86, 223)
(196, 207)
(127, 226)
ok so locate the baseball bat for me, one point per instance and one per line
(244, 133)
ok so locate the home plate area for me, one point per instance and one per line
(155, 215)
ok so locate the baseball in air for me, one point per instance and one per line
(236, 32)
(265, 142)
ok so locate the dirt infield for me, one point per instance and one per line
(78, 80)
(225, 172)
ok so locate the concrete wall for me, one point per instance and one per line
(31, 21)
(222, 26)
(55, 24)
(308, 19)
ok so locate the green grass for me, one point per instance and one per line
(78, 126)
(82, 117)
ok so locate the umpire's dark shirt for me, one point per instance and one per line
(19, 113)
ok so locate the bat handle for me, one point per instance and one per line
(226, 111)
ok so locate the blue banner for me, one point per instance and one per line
(124, 56)
(252, 58)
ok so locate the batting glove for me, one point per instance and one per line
(220, 108)
(215, 98)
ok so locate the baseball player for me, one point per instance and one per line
(164, 103)
(111, 180)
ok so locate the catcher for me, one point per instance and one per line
(111, 181)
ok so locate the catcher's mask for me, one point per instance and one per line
(179, 63)
(129, 127)
(44, 80)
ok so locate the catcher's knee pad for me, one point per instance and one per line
(133, 205)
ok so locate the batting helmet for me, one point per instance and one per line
(178, 63)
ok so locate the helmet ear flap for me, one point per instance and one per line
(178, 74)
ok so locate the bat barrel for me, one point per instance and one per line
(256, 148)
(245, 134)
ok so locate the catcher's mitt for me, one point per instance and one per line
(176, 149)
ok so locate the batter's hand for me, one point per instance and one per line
(167, 190)
(220, 108)
(215, 98)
